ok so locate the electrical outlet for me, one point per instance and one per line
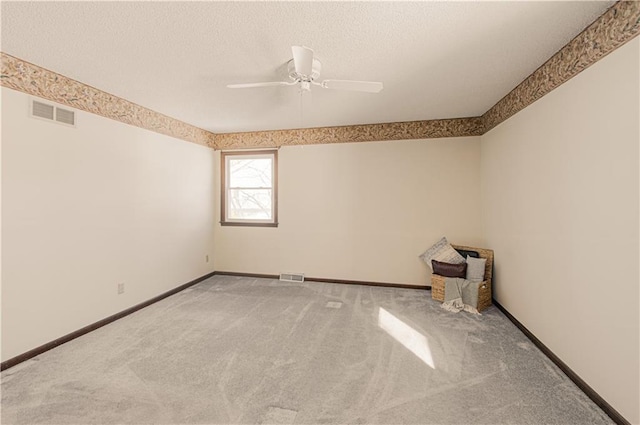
(120, 288)
(206, 258)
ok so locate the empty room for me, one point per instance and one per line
(320, 212)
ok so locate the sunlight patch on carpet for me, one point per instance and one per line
(411, 339)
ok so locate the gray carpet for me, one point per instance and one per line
(247, 351)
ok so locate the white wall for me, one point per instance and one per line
(560, 209)
(362, 211)
(86, 208)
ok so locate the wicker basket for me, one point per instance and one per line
(484, 290)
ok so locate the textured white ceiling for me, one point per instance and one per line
(436, 59)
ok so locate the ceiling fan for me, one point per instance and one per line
(304, 69)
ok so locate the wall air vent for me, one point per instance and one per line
(292, 277)
(65, 116)
(42, 110)
(49, 112)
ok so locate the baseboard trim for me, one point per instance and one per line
(328, 280)
(258, 275)
(580, 383)
(92, 327)
(367, 283)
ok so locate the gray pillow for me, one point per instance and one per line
(441, 251)
(475, 269)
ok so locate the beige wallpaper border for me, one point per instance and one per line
(28, 78)
(617, 26)
(458, 127)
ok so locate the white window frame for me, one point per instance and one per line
(225, 157)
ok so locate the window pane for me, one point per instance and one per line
(250, 172)
(249, 204)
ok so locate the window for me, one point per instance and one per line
(249, 188)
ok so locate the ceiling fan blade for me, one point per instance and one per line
(251, 85)
(366, 86)
(303, 60)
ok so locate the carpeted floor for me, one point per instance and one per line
(247, 351)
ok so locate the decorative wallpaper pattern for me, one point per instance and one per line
(32, 79)
(615, 27)
(353, 133)
(619, 24)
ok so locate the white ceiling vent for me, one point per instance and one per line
(292, 277)
(53, 113)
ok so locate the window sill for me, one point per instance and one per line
(239, 224)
